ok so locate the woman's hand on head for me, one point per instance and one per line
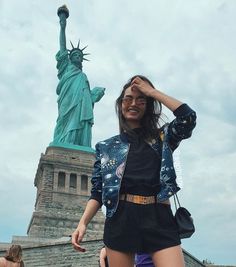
(77, 237)
(142, 86)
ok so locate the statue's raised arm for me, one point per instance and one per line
(63, 14)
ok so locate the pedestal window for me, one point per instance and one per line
(61, 179)
(73, 180)
(84, 182)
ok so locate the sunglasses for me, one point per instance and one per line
(128, 100)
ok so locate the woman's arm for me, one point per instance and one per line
(91, 209)
(168, 101)
(181, 127)
(92, 206)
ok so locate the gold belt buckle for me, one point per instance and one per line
(140, 199)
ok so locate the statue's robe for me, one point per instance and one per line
(75, 105)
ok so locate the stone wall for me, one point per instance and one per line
(191, 261)
(62, 254)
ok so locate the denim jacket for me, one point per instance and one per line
(111, 156)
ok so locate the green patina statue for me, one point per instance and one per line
(75, 99)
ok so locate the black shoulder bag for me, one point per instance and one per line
(183, 220)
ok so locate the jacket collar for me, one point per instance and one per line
(123, 137)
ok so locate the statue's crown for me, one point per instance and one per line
(78, 49)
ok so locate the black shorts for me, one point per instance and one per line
(141, 228)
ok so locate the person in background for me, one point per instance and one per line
(103, 261)
(13, 257)
(141, 260)
(134, 177)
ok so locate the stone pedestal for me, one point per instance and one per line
(63, 187)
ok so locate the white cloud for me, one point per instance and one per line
(187, 48)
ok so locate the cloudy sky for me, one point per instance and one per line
(186, 47)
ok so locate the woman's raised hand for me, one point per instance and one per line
(142, 86)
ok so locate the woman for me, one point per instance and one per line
(134, 178)
(13, 257)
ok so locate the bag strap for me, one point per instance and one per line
(176, 199)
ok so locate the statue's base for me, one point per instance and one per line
(72, 146)
(63, 189)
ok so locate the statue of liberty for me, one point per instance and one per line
(75, 99)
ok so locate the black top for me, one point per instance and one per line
(142, 171)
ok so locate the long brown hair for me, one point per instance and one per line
(150, 121)
(14, 254)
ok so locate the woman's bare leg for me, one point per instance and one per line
(118, 259)
(169, 257)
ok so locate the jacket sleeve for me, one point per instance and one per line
(182, 126)
(96, 191)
